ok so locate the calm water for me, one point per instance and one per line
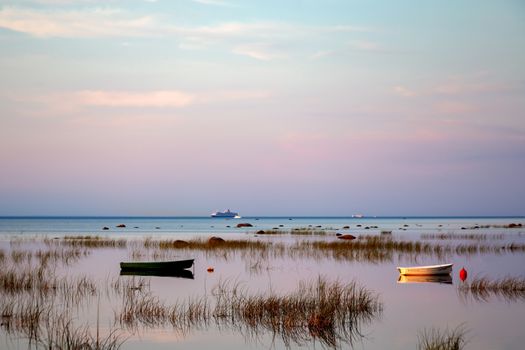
(496, 323)
(166, 226)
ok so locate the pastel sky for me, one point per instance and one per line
(183, 107)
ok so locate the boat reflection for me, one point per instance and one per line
(445, 279)
(158, 273)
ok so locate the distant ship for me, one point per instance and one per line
(226, 214)
(358, 216)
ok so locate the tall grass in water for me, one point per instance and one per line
(42, 283)
(435, 339)
(47, 327)
(458, 236)
(88, 242)
(383, 248)
(482, 288)
(308, 231)
(326, 311)
(220, 248)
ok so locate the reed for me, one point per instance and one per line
(457, 236)
(48, 327)
(42, 283)
(330, 312)
(273, 231)
(382, 248)
(88, 242)
(126, 286)
(308, 231)
(327, 311)
(65, 256)
(21, 256)
(436, 339)
(482, 288)
(16, 280)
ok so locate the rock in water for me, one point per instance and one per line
(215, 240)
(347, 237)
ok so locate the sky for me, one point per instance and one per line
(184, 107)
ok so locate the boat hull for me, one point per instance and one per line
(159, 273)
(444, 269)
(225, 214)
(177, 265)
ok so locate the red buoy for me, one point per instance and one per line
(462, 274)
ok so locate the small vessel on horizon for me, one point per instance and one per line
(357, 216)
(225, 214)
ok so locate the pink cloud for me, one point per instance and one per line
(161, 98)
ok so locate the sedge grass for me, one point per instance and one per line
(482, 288)
(448, 339)
(330, 312)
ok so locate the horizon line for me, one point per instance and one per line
(260, 216)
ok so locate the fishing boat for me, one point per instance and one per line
(443, 269)
(176, 265)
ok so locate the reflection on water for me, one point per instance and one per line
(158, 273)
(445, 279)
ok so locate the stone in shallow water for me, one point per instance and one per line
(215, 240)
(346, 237)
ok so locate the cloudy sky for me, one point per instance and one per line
(165, 107)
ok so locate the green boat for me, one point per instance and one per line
(158, 273)
(176, 265)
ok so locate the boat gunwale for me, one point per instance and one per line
(443, 269)
(426, 267)
(157, 265)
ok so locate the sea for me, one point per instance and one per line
(410, 308)
(203, 225)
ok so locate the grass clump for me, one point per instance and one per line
(89, 242)
(308, 231)
(482, 288)
(436, 339)
(457, 236)
(329, 312)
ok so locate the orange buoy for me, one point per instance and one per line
(210, 269)
(463, 274)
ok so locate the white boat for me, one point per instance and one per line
(443, 269)
(225, 214)
(358, 216)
